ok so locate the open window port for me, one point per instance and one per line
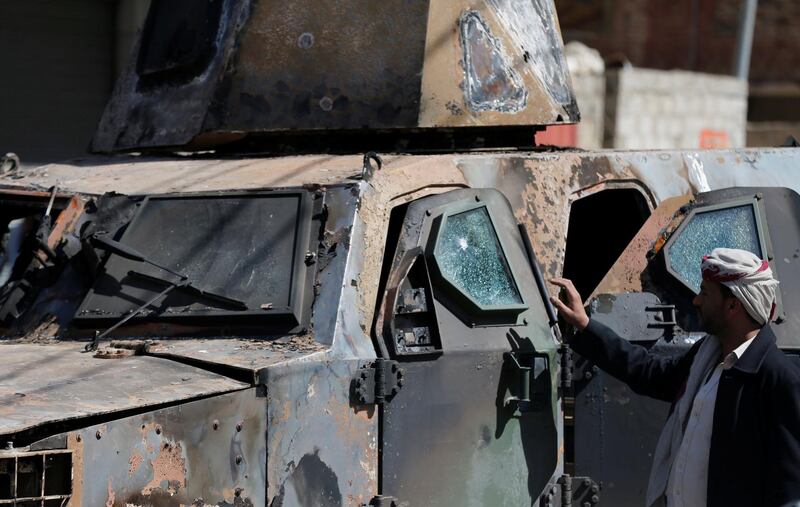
(36, 479)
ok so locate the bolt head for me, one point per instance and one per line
(215, 424)
(158, 429)
(238, 459)
(98, 435)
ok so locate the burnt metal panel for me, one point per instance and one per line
(43, 384)
(323, 450)
(262, 67)
(453, 434)
(206, 452)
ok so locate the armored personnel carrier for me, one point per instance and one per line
(306, 267)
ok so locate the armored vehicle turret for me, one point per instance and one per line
(307, 266)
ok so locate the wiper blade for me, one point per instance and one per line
(115, 247)
(127, 252)
(187, 285)
(99, 336)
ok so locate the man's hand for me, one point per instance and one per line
(572, 310)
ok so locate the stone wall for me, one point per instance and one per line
(649, 108)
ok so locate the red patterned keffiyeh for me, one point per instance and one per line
(748, 277)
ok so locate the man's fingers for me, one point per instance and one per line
(562, 308)
(565, 283)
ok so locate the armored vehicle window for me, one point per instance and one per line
(470, 259)
(245, 248)
(734, 225)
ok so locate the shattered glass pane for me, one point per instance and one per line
(725, 228)
(469, 255)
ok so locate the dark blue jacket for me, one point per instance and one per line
(755, 445)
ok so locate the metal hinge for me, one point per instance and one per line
(570, 491)
(378, 382)
(664, 319)
(567, 367)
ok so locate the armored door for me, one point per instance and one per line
(476, 421)
(647, 298)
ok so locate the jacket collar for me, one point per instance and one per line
(752, 358)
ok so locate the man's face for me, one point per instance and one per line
(711, 307)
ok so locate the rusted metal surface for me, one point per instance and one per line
(66, 221)
(540, 186)
(322, 449)
(43, 384)
(315, 445)
(205, 452)
(249, 355)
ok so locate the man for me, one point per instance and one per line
(733, 435)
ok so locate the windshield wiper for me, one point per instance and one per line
(127, 252)
(188, 286)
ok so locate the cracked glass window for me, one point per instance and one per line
(469, 255)
(733, 227)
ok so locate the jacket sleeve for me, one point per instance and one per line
(783, 443)
(660, 377)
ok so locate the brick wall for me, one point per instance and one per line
(697, 35)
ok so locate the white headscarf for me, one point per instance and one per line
(748, 277)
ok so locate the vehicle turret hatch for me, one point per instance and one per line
(733, 224)
(237, 257)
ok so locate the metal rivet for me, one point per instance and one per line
(238, 459)
(158, 429)
(305, 41)
(215, 424)
(325, 103)
(239, 426)
(98, 435)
